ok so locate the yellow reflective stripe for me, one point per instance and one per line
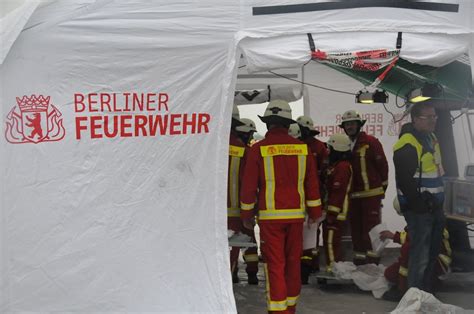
(234, 181)
(272, 305)
(245, 206)
(363, 166)
(267, 284)
(277, 305)
(403, 271)
(403, 237)
(315, 252)
(269, 182)
(334, 209)
(284, 149)
(331, 247)
(447, 247)
(233, 212)
(236, 151)
(250, 257)
(445, 233)
(291, 301)
(359, 255)
(313, 203)
(345, 205)
(341, 217)
(368, 193)
(372, 254)
(270, 214)
(445, 259)
(301, 177)
(307, 258)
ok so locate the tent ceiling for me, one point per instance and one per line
(455, 78)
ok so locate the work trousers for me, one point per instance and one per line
(282, 245)
(364, 215)
(397, 272)
(426, 235)
(332, 236)
(250, 254)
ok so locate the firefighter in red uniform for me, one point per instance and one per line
(338, 188)
(280, 177)
(237, 152)
(370, 168)
(310, 258)
(398, 271)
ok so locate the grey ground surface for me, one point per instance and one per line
(457, 289)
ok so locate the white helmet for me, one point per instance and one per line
(396, 205)
(235, 112)
(249, 126)
(278, 111)
(351, 115)
(308, 123)
(294, 130)
(340, 142)
(235, 117)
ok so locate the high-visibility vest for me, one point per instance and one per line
(430, 176)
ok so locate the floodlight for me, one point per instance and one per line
(426, 92)
(366, 97)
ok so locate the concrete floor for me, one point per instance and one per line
(457, 289)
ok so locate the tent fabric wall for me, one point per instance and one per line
(12, 24)
(122, 223)
(137, 223)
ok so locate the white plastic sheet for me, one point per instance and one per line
(419, 301)
(368, 277)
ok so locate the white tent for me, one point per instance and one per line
(116, 118)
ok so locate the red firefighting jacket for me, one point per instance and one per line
(320, 154)
(237, 152)
(281, 176)
(370, 167)
(338, 187)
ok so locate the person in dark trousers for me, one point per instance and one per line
(237, 154)
(310, 258)
(420, 191)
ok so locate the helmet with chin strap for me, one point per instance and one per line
(351, 115)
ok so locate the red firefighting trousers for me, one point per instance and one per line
(364, 215)
(332, 235)
(281, 246)
(250, 254)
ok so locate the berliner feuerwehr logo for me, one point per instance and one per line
(34, 120)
